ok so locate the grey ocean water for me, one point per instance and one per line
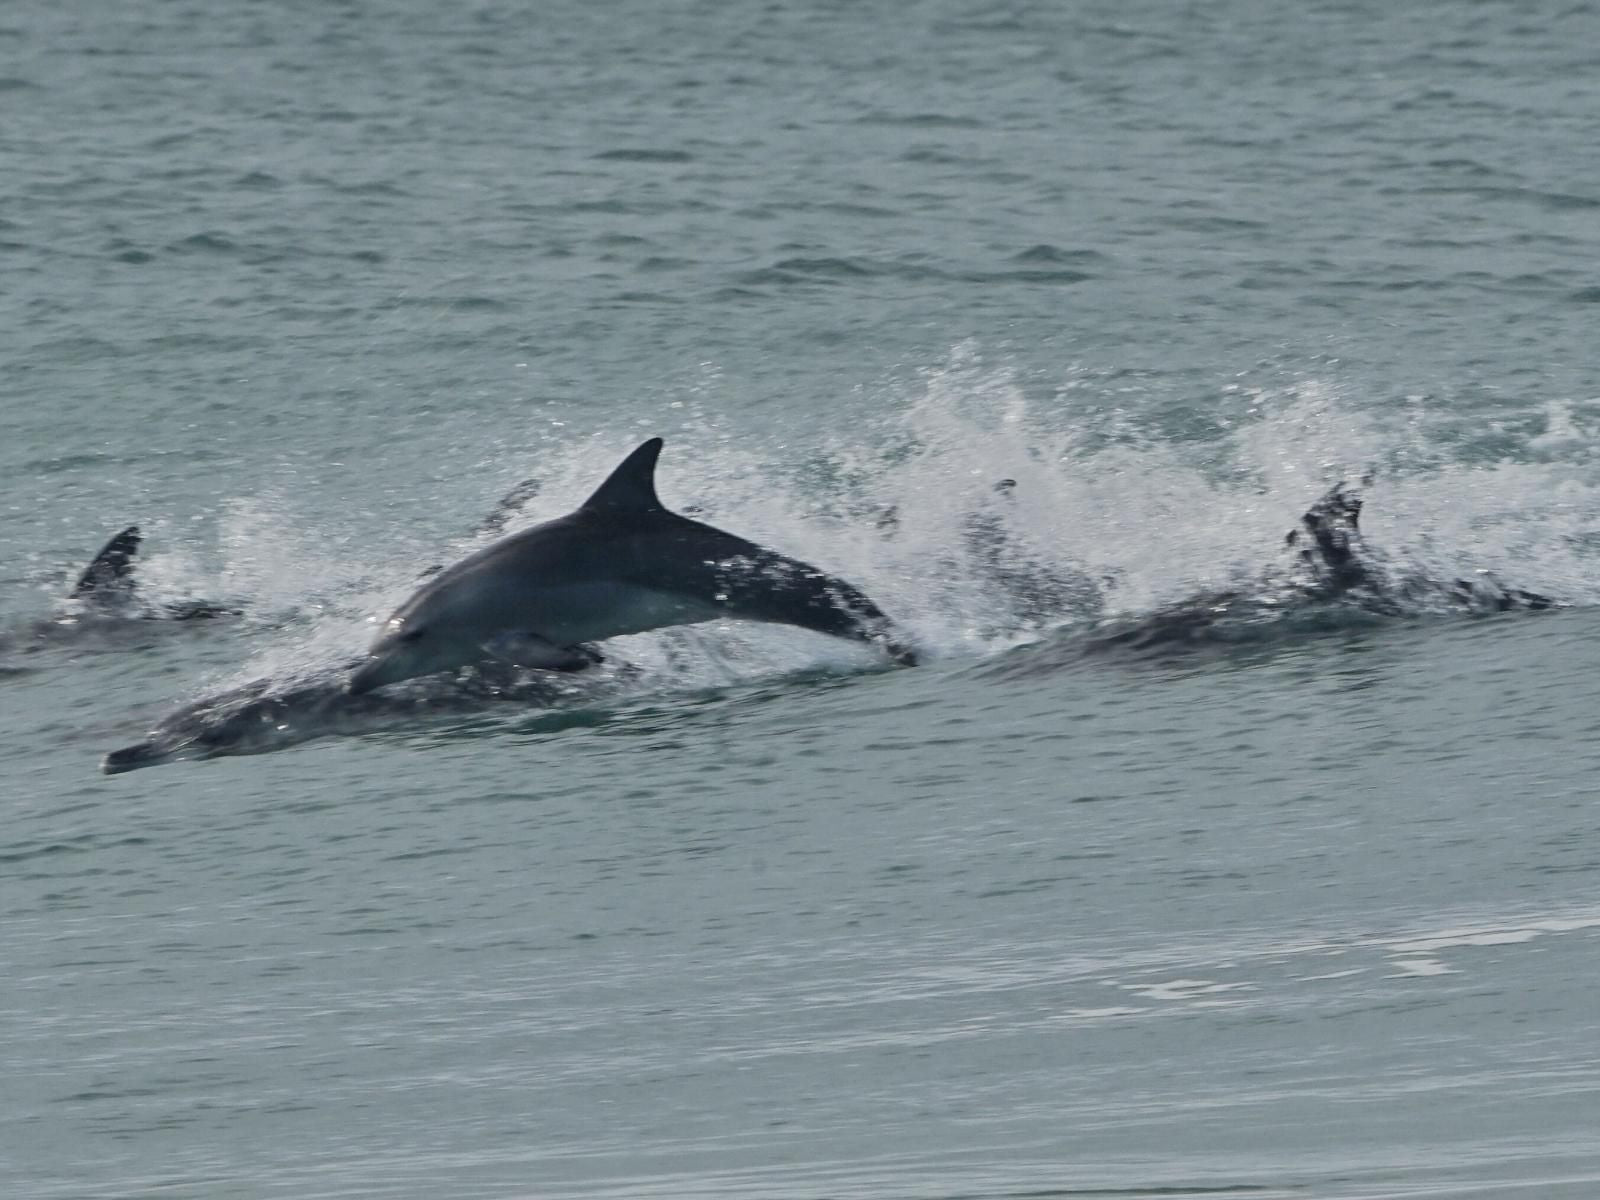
(303, 287)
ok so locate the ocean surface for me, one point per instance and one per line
(1310, 910)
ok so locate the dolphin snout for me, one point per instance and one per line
(131, 758)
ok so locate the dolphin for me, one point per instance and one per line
(108, 579)
(105, 600)
(107, 587)
(620, 563)
(1339, 565)
(266, 714)
(1332, 569)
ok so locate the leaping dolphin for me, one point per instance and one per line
(621, 563)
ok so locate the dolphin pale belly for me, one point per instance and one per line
(621, 563)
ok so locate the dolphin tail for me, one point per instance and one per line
(747, 580)
(109, 577)
(785, 591)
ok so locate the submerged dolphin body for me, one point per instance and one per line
(265, 715)
(620, 564)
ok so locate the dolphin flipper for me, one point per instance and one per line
(533, 652)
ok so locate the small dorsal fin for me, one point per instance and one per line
(632, 486)
(110, 575)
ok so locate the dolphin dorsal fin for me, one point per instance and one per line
(632, 486)
(110, 575)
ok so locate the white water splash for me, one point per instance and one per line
(905, 505)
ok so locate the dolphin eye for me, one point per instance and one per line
(411, 635)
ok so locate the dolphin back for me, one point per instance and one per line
(720, 570)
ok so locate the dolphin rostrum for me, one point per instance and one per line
(620, 564)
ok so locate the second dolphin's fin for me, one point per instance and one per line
(108, 579)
